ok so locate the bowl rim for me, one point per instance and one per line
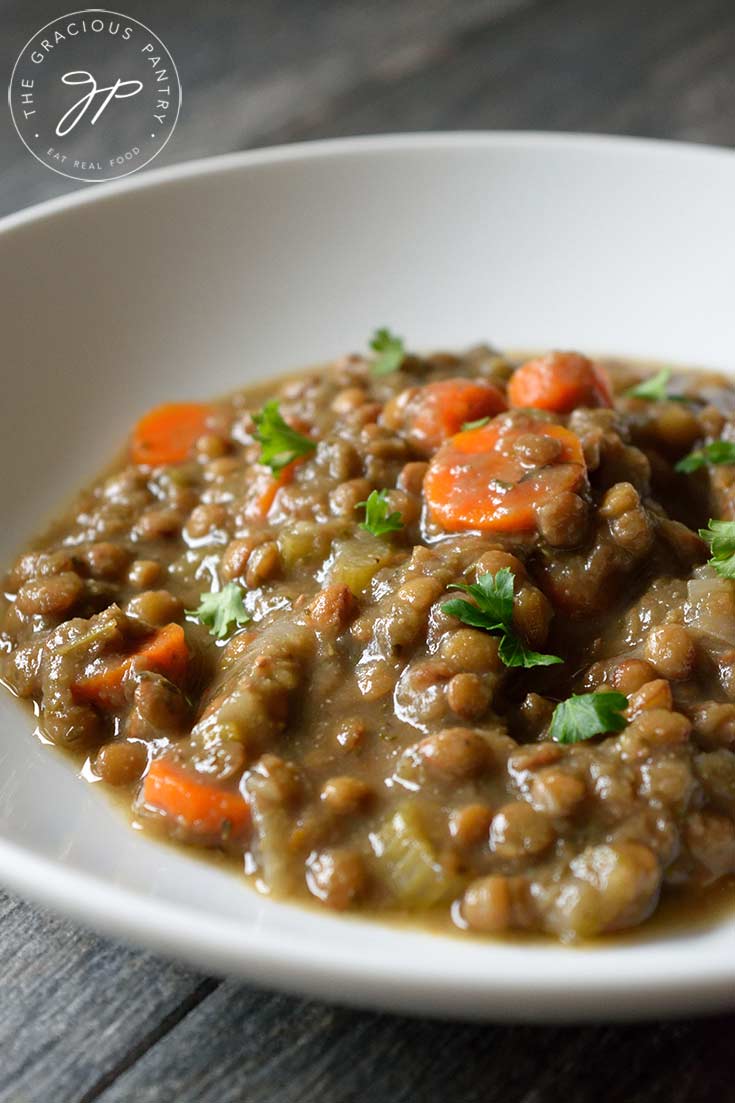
(256, 954)
(624, 984)
(324, 148)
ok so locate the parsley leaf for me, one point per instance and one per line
(494, 613)
(390, 349)
(719, 451)
(513, 652)
(654, 388)
(377, 519)
(481, 421)
(279, 443)
(589, 714)
(221, 609)
(494, 597)
(720, 535)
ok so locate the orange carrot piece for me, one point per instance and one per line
(560, 381)
(479, 480)
(203, 808)
(166, 653)
(167, 433)
(266, 486)
(430, 414)
(443, 407)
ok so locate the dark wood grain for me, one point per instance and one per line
(250, 70)
(660, 69)
(244, 1045)
(74, 1006)
(82, 1019)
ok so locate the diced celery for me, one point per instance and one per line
(408, 863)
(104, 628)
(301, 541)
(354, 562)
(273, 826)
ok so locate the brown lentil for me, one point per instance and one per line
(157, 607)
(144, 573)
(52, 596)
(470, 825)
(337, 877)
(519, 830)
(671, 651)
(486, 905)
(120, 763)
(346, 795)
(470, 650)
(454, 753)
(105, 560)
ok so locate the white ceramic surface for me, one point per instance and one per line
(190, 280)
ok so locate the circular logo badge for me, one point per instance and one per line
(94, 95)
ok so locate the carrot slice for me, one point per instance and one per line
(166, 653)
(560, 381)
(265, 487)
(283, 478)
(203, 808)
(428, 415)
(494, 478)
(167, 433)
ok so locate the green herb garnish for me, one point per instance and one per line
(221, 609)
(280, 445)
(589, 714)
(481, 421)
(654, 388)
(378, 520)
(390, 349)
(720, 535)
(513, 652)
(494, 613)
(719, 451)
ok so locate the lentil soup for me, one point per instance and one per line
(440, 635)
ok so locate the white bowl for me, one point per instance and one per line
(195, 279)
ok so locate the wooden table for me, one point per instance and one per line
(82, 1018)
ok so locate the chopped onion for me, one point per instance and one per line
(710, 607)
